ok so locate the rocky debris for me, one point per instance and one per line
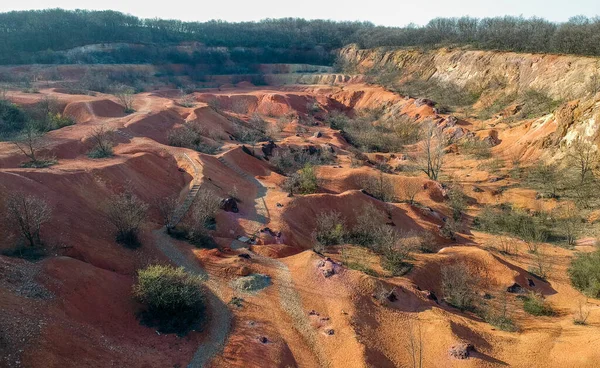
(496, 179)
(424, 101)
(318, 134)
(478, 190)
(311, 150)
(243, 271)
(267, 148)
(329, 331)
(492, 141)
(263, 339)
(515, 289)
(530, 282)
(313, 312)
(430, 295)
(279, 204)
(328, 148)
(229, 204)
(244, 255)
(461, 350)
(327, 267)
(451, 121)
(254, 282)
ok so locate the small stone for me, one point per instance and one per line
(263, 339)
(329, 331)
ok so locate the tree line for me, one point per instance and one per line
(42, 36)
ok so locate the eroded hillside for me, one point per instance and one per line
(371, 259)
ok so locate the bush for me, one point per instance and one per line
(458, 286)
(12, 118)
(308, 180)
(330, 230)
(380, 187)
(288, 160)
(505, 220)
(478, 148)
(127, 213)
(585, 273)
(174, 299)
(191, 136)
(535, 304)
(394, 261)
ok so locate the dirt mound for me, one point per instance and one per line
(83, 112)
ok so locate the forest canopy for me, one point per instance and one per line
(44, 36)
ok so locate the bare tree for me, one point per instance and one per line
(432, 147)
(411, 188)
(186, 100)
(205, 207)
(102, 138)
(292, 184)
(125, 96)
(28, 213)
(414, 345)
(29, 143)
(585, 157)
(166, 208)
(126, 212)
(582, 312)
(380, 187)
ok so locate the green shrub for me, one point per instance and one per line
(308, 180)
(12, 118)
(394, 261)
(505, 220)
(585, 273)
(330, 229)
(173, 299)
(535, 304)
(478, 148)
(362, 268)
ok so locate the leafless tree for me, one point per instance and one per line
(166, 208)
(585, 157)
(380, 187)
(102, 138)
(205, 208)
(127, 213)
(29, 143)
(411, 188)
(414, 345)
(292, 184)
(582, 312)
(431, 158)
(28, 213)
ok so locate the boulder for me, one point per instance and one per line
(229, 204)
(424, 101)
(515, 289)
(451, 121)
(318, 134)
(461, 350)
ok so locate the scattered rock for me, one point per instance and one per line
(530, 282)
(424, 101)
(515, 289)
(496, 179)
(263, 339)
(478, 190)
(461, 350)
(279, 204)
(327, 267)
(313, 312)
(244, 255)
(229, 204)
(329, 331)
(318, 134)
(451, 121)
(431, 295)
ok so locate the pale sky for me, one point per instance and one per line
(380, 12)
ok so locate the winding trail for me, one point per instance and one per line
(289, 298)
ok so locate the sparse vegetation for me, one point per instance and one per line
(431, 155)
(330, 230)
(380, 186)
(102, 142)
(585, 273)
(192, 135)
(498, 315)
(505, 220)
(127, 213)
(536, 305)
(125, 96)
(480, 149)
(458, 286)
(28, 213)
(174, 300)
(30, 143)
